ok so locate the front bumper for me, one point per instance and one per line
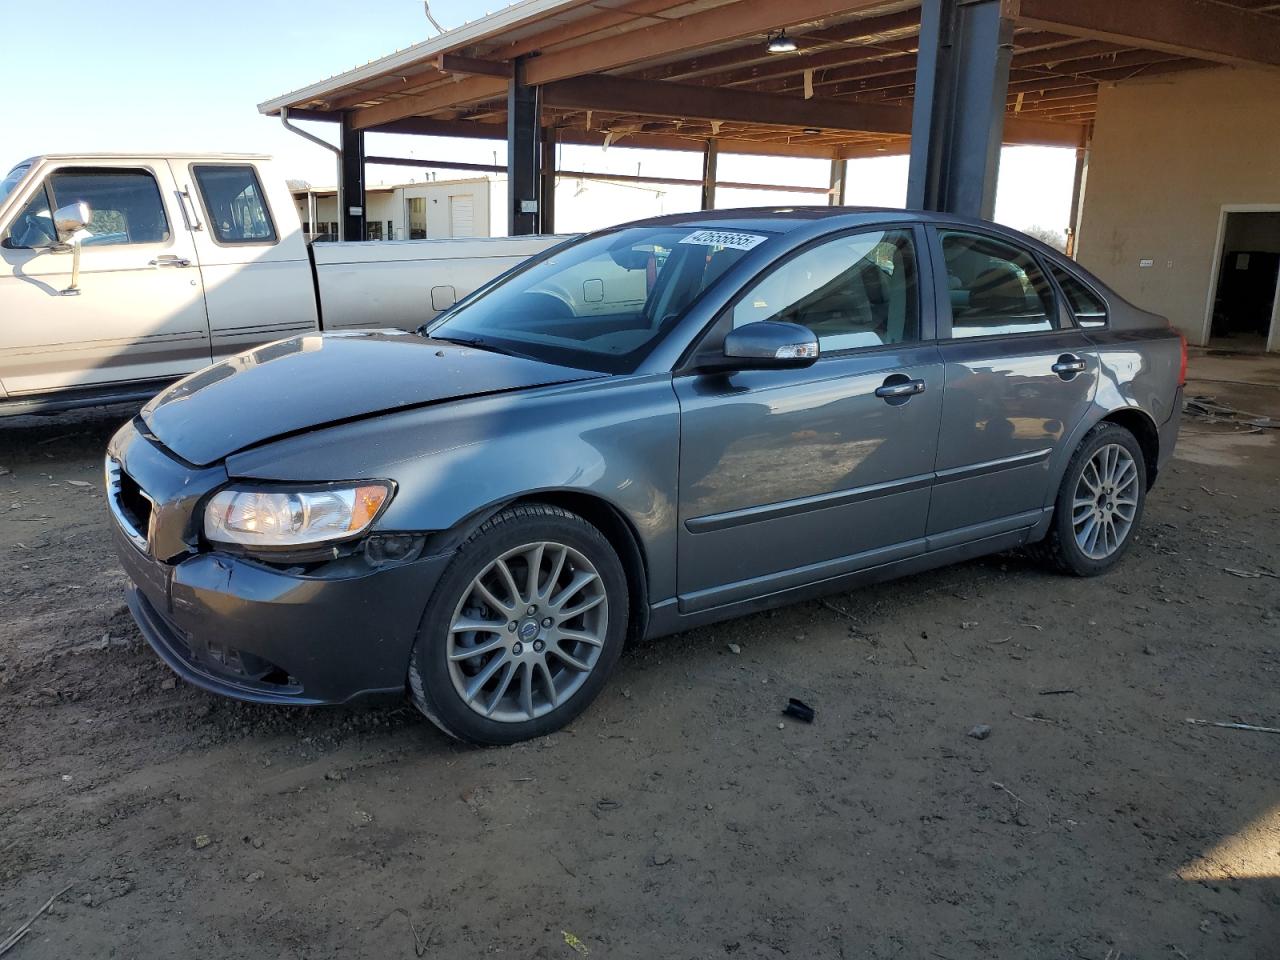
(244, 630)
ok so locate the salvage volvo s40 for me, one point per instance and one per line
(642, 430)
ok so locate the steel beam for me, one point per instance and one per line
(962, 80)
(351, 215)
(547, 182)
(710, 159)
(523, 154)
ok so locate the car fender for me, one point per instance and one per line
(616, 440)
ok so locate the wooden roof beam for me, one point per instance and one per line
(724, 24)
(1186, 28)
(440, 97)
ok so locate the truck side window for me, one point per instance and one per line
(1086, 306)
(126, 204)
(234, 203)
(33, 227)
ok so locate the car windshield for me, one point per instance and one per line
(602, 303)
(12, 179)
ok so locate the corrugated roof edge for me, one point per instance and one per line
(515, 15)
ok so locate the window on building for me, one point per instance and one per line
(854, 291)
(234, 203)
(996, 288)
(417, 218)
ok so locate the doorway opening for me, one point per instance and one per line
(1246, 296)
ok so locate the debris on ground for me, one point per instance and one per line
(202, 840)
(11, 941)
(979, 731)
(733, 648)
(1233, 726)
(799, 709)
(574, 943)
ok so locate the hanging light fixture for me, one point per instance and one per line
(780, 43)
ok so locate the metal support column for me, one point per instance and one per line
(1077, 200)
(351, 188)
(710, 159)
(547, 184)
(523, 154)
(962, 82)
(836, 197)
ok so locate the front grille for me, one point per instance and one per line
(130, 506)
(134, 503)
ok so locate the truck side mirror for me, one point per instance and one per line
(71, 219)
(68, 221)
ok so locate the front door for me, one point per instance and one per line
(793, 476)
(1019, 377)
(139, 315)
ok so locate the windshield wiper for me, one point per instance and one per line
(480, 343)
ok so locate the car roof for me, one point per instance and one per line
(786, 219)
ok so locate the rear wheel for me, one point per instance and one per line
(1100, 502)
(523, 630)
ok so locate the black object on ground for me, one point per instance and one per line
(799, 709)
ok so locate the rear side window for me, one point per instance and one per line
(234, 202)
(1086, 306)
(853, 291)
(995, 287)
(125, 204)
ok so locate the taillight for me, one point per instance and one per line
(1182, 368)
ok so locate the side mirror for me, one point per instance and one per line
(71, 219)
(68, 221)
(770, 345)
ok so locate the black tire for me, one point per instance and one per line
(430, 685)
(1060, 547)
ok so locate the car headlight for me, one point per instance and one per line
(266, 517)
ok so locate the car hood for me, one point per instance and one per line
(320, 379)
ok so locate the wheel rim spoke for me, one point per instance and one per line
(531, 661)
(468, 653)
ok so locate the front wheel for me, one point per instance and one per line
(524, 628)
(1100, 502)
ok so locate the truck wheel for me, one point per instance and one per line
(1099, 504)
(523, 630)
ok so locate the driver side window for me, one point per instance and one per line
(33, 227)
(853, 291)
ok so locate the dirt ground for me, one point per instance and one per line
(682, 816)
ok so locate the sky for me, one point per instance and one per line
(159, 77)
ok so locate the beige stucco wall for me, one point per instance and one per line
(1167, 154)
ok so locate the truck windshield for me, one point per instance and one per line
(12, 179)
(601, 303)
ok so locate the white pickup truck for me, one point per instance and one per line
(121, 272)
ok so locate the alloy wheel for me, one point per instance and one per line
(1105, 502)
(527, 632)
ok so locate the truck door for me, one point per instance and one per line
(253, 256)
(139, 315)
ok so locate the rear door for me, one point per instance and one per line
(1019, 377)
(253, 257)
(793, 476)
(139, 315)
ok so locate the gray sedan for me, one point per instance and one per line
(642, 430)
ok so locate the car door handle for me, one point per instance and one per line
(169, 260)
(1068, 366)
(897, 389)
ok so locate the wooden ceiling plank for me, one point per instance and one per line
(733, 21)
(1187, 28)
(441, 97)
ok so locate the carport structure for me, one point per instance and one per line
(945, 80)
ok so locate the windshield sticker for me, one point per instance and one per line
(725, 238)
